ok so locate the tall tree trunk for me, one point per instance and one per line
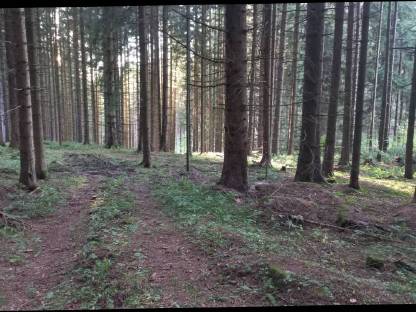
(328, 162)
(11, 70)
(374, 93)
(346, 122)
(58, 99)
(356, 149)
(84, 79)
(172, 132)
(78, 126)
(27, 149)
(396, 111)
(163, 136)
(188, 88)
(279, 86)
(267, 25)
(252, 79)
(32, 26)
(3, 70)
(144, 127)
(384, 101)
(355, 70)
(234, 172)
(203, 73)
(94, 107)
(390, 80)
(109, 98)
(307, 170)
(408, 169)
(293, 105)
(155, 105)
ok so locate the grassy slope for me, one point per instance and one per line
(302, 265)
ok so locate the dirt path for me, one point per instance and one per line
(182, 273)
(187, 276)
(24, 286)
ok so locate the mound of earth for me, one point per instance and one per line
(96, 164)
(312, 201)
(310, 191)
(407, 215)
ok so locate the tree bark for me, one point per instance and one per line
(144, 128)
(188, 88)
(109, 96)
(32, 24)
(293, 105)
(11, 70)
(408, 169)
(356, 150)
(155, 104)
(384, 100)
(374, 95)
(346, 122)
(203, 73)
(308, 169)
(84, 78)
(78, 126)
(252, 79)
(279, 86)
(234, 172)
(267, 25)
(328, 162)
(27, 149)
(163, 137)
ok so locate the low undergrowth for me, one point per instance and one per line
(103, 277)
(213, 217)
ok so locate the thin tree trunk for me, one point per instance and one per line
(78, 126)
(11, 70)
(267, 25)
(163, 137)
(356, 150)
(374, 95)
(390, 80)
(155, 105)
(188, 88)
(396, 117)
(203, 73)
(109, 100)
(84, 79)
(292, 116)
(355, 70)
(328, 162)
(279, 86)
(144, 128)
(58, 100)
(384, 101)
(346, 123)
(252, 79)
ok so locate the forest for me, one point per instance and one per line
(207, 155)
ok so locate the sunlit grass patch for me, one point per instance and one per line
(211, 215)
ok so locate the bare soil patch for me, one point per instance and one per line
(24, 286)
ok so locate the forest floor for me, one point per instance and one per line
(104, 232)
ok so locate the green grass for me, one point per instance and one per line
(212, 215)
(99, 278)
